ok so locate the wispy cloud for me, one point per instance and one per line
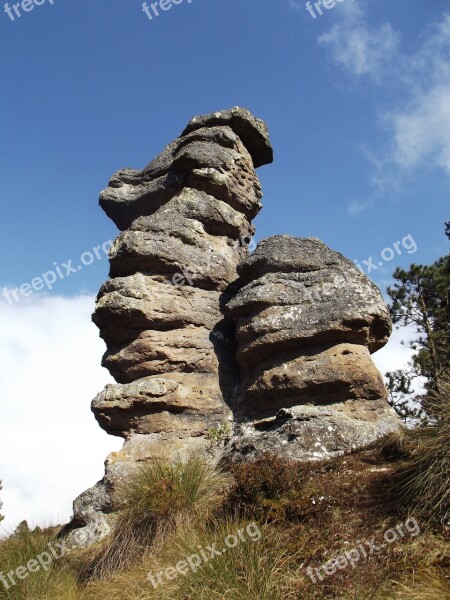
(296, 4)
(422, 131)
(421, 127)
(359, 206)
(356, 47)
(417, 125)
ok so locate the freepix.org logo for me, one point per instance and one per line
(152, 10)
(320, 4)
(16, 10)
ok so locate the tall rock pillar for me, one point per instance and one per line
(185, 221)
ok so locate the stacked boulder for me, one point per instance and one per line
(185, 222)
(184, 219)
(307, 321)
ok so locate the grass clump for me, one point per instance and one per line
(151, 501)
(429, 584)
(22, 549)
(424, 481)
(395, 446)
(160, 490)
(256, 568)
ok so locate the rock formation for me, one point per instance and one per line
(173, 268)
(199, 333)
(307, 321)
(185, 220)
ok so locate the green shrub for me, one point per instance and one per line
(218, 435)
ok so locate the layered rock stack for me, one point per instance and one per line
(307, 321)
(185, 222)
(184, 219)
(198, 333)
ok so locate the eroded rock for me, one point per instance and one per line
(185, 404)
(306, 322)
(185, 221)
(199, 335)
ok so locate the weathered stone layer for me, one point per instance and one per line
(184, 404)
(303, 293)
(173, 267)
(210, 158)
(306, 322)
(317, 375)
(191, 349)
(128, 305)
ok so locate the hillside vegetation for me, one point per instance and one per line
(370, 525)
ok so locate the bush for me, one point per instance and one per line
(270, 488)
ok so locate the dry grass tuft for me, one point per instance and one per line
(429, 584)
(151, 501)
(424, 482)
(56, 581)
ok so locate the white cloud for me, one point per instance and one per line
(51, 448)
(356, 47)
(422, 132)
(395, 355)
(417, 125)
(421, 126)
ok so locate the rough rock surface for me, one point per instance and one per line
(186, 404)
(306, 322)
(210, 159)
(186, 222)
(252, 131)
(172, 268)
(199, 333)
(128, 305)
(308, 432)
(299, 292)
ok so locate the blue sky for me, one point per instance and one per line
(357, 102)
(90, 87)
